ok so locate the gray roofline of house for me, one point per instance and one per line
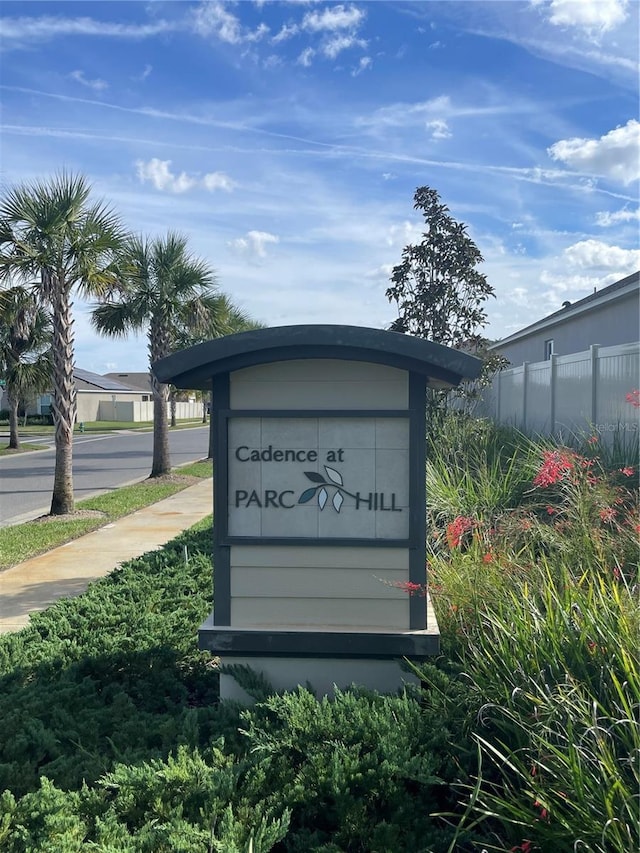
(194, 367)
(101, 383)
(614, 291)
(142, 384)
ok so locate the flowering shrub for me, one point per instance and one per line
(633, 397)
(555, 466)
(536, 604)
(456, 530)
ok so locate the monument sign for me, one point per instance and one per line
(319, 495)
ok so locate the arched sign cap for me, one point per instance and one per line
(194, 367)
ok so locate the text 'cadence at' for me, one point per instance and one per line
(268, 454)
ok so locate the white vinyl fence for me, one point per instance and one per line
(569, 394)
(137, 411)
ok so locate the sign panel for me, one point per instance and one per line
(318, 477)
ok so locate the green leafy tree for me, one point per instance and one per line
(26, 364)
(437, 287)
(162, 288)
(227, 319)
(54, 237)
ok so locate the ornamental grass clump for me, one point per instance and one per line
(475, 469)
(538, 608)
(558, 733)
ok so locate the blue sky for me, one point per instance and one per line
(286, 139)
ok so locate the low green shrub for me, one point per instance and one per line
(360, 772)
(113, 675)
(181, 805)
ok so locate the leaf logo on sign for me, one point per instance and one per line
(334, 481)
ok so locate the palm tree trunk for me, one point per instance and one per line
(64, 402)
(159, 340)
(14, 438)
(161, 459)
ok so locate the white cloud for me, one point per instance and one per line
(381, 273)
(405, 233)
(614, 155)
(338, 43)
(593, 16)
(604, 218)
(218, 181)
(407, 114)
(97, 85)
(286, 32)
(306, 57)
(254, 243)
(158, 173)
(24, 30)
(364, 63)
(439, 128)
(213, 18)
(593, 254)
(147, 70)
(333, 18)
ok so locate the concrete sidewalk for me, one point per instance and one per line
(67, 570)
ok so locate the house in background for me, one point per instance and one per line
(139, 381)
(100, 398)
(607, 317)
(142, 382)
(575, 371)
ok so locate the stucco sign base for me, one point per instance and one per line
(320, 657)
(320, 675)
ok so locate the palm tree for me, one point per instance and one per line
(226, 319)
(25, 351)
(52, 235)
(163, 288)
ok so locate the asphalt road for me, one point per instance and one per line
(100, 463)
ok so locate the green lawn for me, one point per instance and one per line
(22, 541)
(24, 448)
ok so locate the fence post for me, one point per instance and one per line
(595, 370)
(498, 377)
(552, 387)
(525, 380)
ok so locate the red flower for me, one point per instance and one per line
(456, 530)
(628, 472)
(633, 397)
(488, 557)
(551, 510)
(593, 439)
(410, 587)
(543, 812)
(607, 514)
(555, 465)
